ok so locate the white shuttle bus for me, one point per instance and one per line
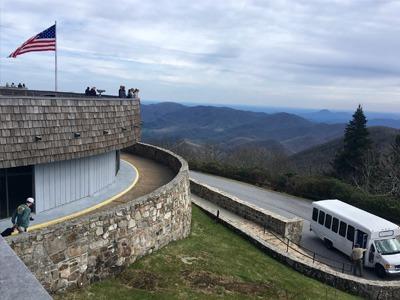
(341, 226)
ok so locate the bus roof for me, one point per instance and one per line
(356, 215)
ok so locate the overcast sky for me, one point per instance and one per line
(309, 53)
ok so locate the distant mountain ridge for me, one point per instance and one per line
(229, 127)
(388, 119)
(330, 117)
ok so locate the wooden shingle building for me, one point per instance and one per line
(61, 147)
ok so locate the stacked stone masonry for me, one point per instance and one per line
(37, 130)
(288, 228)
(98, 246)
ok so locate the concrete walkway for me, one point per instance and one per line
(152, 176)
(126, 177)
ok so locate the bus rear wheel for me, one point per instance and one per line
(328, 244)
(380, 271)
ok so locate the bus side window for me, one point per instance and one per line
(350, 233)
(328, 221)
(335, 225)
(342, 228)
(321, 217)
(315, 214)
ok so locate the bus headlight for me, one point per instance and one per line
(388, 266)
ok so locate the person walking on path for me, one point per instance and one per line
(22, 215)
(357, 256)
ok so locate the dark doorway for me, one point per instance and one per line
(16, 184)
(3, 195)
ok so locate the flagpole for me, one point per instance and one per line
(55, 59)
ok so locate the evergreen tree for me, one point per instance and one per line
(349, 162)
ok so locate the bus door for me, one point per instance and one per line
(361, 239)
(371, 256)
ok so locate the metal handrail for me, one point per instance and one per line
(314, 255)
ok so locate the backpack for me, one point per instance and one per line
(7, 232)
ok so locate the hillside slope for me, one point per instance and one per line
(318, 159)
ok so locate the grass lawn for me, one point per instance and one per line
(212, 263)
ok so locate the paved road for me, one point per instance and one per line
(283, 204)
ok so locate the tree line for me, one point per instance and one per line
(360, 164)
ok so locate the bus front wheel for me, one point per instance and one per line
(380, 271)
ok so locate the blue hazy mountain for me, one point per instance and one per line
(318, 116)
(374, 118)
(228, 127)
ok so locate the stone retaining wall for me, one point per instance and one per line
(289, 228)
(97, 246)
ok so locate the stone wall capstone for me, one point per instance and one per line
(36, 130)
(13, 273)
(100, 245)
(288, 228)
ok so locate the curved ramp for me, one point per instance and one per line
(138, 177)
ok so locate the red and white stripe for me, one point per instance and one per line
(35, 44)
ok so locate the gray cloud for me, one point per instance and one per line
(332, 54)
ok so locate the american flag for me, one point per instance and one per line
(44, 41)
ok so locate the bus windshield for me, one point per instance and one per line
(389, 246)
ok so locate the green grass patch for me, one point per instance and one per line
(212, 263)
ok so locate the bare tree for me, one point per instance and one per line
(392, 169)
(368, 175)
